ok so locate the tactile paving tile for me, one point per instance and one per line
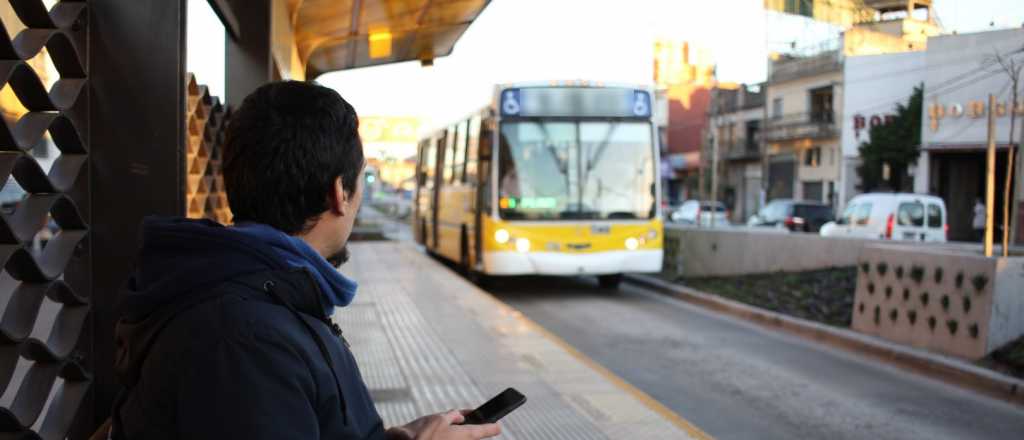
(371, 347)
(398, 413)
(456, 346)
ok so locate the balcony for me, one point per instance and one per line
(816, 125)
(741, 149)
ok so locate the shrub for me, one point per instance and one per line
(952, 325)
(924, 299)
(938, 275)
(931, 323)
(899, 272)
(973, 330)
(912, 316)
(959, 279)
(894, 315)
(967, 304)
(945, 302)
(882, 268)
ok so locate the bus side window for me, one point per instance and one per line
(421, 164)
(430, 158)
(485, 179)
(459, 160)
(449, 155)
(472, 151)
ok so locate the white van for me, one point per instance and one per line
(891, 216)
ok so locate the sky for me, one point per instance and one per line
(606, 40)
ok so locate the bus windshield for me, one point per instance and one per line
(550, 170)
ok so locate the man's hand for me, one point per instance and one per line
(443, 426)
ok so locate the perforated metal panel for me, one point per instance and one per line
(42, 378)
(204, 186)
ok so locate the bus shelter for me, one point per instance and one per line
(101, 86)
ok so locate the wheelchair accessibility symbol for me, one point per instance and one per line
(510, 103)
(640, 105)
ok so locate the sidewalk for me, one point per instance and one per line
(427, 341)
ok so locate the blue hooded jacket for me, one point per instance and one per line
(220, 335)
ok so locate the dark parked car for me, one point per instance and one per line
(797, 216)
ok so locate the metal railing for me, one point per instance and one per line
(741, 149)
(813, 125)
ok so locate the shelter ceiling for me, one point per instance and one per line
(335, 34)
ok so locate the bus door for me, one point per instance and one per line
(417, 205)
(482, 205)
(435, 196)
(428, 190)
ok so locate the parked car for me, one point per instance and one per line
(892, 216)
(796, 216)
(709, 214)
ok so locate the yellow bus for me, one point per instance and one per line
(553, 178)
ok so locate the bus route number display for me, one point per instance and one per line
(575, 102)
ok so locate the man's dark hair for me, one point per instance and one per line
(285, 147)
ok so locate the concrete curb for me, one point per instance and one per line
(949, 370)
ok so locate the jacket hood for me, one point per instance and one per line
(179, 256)
(179, 261)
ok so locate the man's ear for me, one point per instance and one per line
(339, 198)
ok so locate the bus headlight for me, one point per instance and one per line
(522, 245)
(501, 236)
(632, 243)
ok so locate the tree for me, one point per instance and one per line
(895, 143)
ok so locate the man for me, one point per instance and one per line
(224, 332)
(979, 220)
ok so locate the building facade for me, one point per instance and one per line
(737, 112)
(800, 133)
(820, 105)
(960, 75)
(874, 85)
(685, 76)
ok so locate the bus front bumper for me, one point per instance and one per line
(557, 263)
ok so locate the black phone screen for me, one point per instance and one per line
(496, 408)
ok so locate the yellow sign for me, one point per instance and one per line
(973, 109)
(388, 129)
(380, 44)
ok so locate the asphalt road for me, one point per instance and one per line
(737, 381)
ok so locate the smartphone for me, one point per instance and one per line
(496, 408)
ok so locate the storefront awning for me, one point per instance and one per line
(335, 35)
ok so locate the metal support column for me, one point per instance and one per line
(249, 58)
(137, 135)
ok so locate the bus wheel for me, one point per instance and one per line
(610, 281)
